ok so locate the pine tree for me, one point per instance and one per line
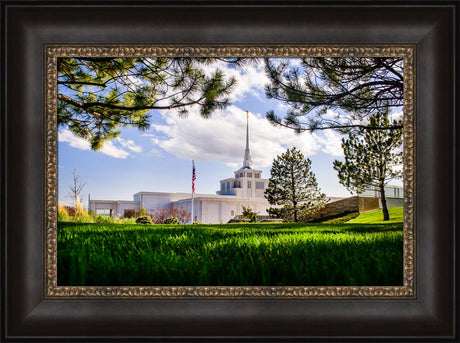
(98, 95)
(293, 186)
(356, 87)
(371, 158)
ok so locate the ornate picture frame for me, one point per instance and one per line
(35, 307)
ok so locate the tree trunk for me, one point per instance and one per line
(295, 212)
(386, 215)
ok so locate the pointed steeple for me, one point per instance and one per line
(247, 163)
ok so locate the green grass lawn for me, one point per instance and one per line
(374, 217)
(275, 254)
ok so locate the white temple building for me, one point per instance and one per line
(246, 188)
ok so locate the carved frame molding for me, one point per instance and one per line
(53, 291)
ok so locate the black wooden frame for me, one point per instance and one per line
(28, 25)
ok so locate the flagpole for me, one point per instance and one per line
(193, 189)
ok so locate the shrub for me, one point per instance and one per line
(143, 212)
(144, 220)
(100, 219)
(125, 220)
(72, 214)
(71, 211)
(79, 210)
(238, 220)
(248, 213)
(171, 220)
(129, 213)
(63, 215)
(161, 214)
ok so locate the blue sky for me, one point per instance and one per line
(159, 159)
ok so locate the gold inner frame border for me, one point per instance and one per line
(53, 291)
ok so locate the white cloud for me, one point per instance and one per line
(222, 138)
(250, 80)
(79, 143)
(155, 152)
(110, 149)
(295, 62)
(282, 107)
(74, 141)
(331, 142)
(398, 115)
(129, 144)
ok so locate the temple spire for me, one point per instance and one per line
(247, 163)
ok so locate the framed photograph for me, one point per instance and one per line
(180, 109)
(225, 167)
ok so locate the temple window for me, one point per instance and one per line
(259, 185)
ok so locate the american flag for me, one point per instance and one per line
(193, 177)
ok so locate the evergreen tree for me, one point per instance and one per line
(98, 95)
(355, 86)
(370, 159)
(293, 186)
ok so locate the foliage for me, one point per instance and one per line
(230, 254)
(248, 213)
(144, 220)
(375, 217)
(372, 159)
(172, 220)
(142, 212)
(353, 86)
(98, 95)
(100, 219)
(279, 212)
(80, 211)
(71, 211)
(130, 213)
(293, 186)
(238, 220)
(63, 214)
(161, 214)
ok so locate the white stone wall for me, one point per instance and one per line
(390, 192)
(207, 208)
(122, 206)
(118, 207)
(216, 210)
(187, 205)
(152, 200)
(393, 202)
